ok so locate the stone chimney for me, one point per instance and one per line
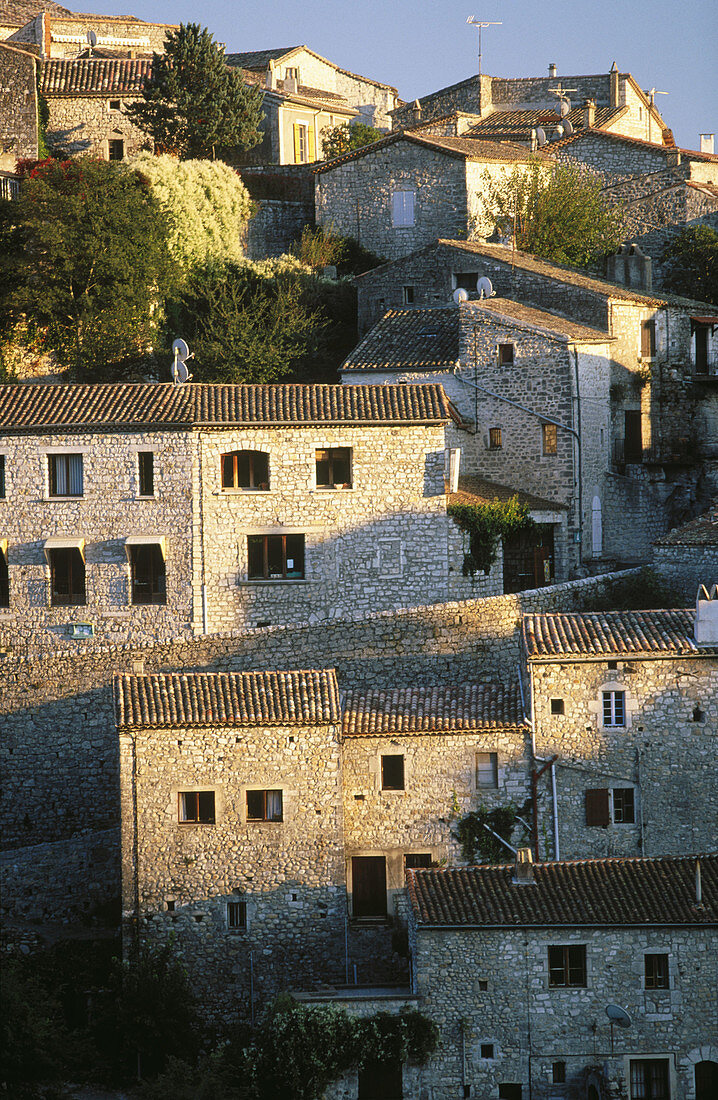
(290, 85)
(589, 114)
(552, 71)
(416, 112)
(705, 630)
(270, 79)
(524, 868)
(708, 143)
(614, 85)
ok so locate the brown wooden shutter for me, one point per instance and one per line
(597, 807)
(297, 143)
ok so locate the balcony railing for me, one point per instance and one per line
(9, 186)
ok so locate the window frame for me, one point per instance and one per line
(76, 596)
(238, 907)
(609, 709)
(648, 338)
(646, 1088)
(254, 819)
(255, 482)
(403, 211)
(110, 106)
(113, 144)
(145, 474)
(549, 439)
(157, 576)
(296, 575)
(335, 455)
(506, 354)
(494, 766)
(495, 439)
(656, 970)
(61, 459)
(573, 961)
(210, 816)
(407, 294)
(400, 782)
(620, 808)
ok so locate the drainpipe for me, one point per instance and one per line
(580, 461)
(201, 535)
(535, 776)
(556, 853)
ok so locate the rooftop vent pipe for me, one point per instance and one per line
(552, 70)
(524, 868)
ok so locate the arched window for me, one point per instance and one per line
(245, 470)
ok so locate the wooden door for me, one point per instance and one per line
(369, 886)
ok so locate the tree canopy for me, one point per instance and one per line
(84, 255)
(691, 264)
(337, 140)
(559, 212)
(194, 104)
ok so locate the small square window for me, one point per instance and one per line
(624, 811)
(116, 149)
(245, 470)
(237, 914)
(487, 1050)
(65, 473)
(656, 971)
(413, 860)
(196, 807)
(392, 772)
(612, 666)
(146, 473)
(567, 966)
(466, 280)
(275, 557)
(558, 1073)
(614, 708)
(483, 984)
(115, 104)
(265, 806)
(506, 355)
(333, 467)
(557, 706)
(408, 295)
(495, 443)
(550, 439)
(487, 770)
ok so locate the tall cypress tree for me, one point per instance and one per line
(194, 103)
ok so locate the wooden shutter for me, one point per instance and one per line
(297, 143)
(597, 807)
(310, 135)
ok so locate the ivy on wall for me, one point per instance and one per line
(485, 525)
(477, 843)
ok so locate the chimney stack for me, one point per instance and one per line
(416, 111)
(589, 114)
(707, 143)
(614, 85)
(705, 630)
(552, 71)
(524, 868)
(270, 79)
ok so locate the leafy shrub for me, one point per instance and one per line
(486, 524)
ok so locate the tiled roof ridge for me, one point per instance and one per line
(585, 634)
(576, 861)
(166, 700)
(433, 709)
(695, 154)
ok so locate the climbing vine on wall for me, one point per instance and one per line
(485, 524)
(477, 843)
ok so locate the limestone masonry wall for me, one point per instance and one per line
(18, 111)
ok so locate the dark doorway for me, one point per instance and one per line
(701, 337)
(633, 440)
(381, 1081)
(369, 886)
(706, 1080)
(529, 559)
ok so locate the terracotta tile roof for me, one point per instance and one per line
(596, 131)
(17, 13)
(417, 710)
(25, 407)
(517, 125)
(702, 531)
(610, 634)
(409, 339)
(257, 59)
(459, 147)
(94, 76)
(475, 489)
(542, 319)
(176, 700)
(575, 893)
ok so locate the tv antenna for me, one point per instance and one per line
(563, 106)
(179, 365)
(651, 95)
(617, 1016)
(480, 24)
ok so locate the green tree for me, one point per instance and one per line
(194, 104)
(337, 140)
(558, 212)
(84, 255)
(691, 264)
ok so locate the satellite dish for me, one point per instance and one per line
(179, 365)
(618, 1015)
(567, 127)
(540, 136)
(460, 295)
(92, 38)
(558, 132)
(564, 107)
(484, 288)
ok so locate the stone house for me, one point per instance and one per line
(517, 374)
(18, 108)
(625, 704)
(688, 556)
(593, 978)
(18, 13)
(402, 192)
(661, 442)
(56, 33)
(508, 108)
(619, 156)
(156, 510)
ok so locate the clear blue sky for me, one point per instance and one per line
(421, 45)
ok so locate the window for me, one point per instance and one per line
(237, 914)
(623, 806)
(196, 808)
(334, 467)
(487, 770)
(291, 74)
(466, 280)
(245, 470)
(275, 557)
(506, 355)
(510, 1092)
(146, 472)
(392, 772)
(487, 1050)
(116, 149)
(303, 143)
(381, 1081)
(567, 966)
(2, 477)
(633, 436)
(549, 434)
(408, 295)
(557, 706)
(656, 971)
(495, 443)
(65, 475)
(115, 104)
(264, 806)
(614, 708)
(558, 1073)
(414, 860)
(649, 1079)
(369, 886)
(4, 577)
(701, 348)
(148, 574)
(67, 578)
(402, 210)
(648, 339)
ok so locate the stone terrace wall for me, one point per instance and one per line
(687, 567)
(275, 227)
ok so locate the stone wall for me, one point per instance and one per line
(615, 158)
(275, 226)
(671, 717)
(687, 567)
(66, 36)
(18, 107)
(86, 124)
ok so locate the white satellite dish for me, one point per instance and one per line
(564, 107)
(540, 136)
(567, 127)
(460, 295)
(179, 365)
(558, 132)
(484, 288)
(92, 38)
(618, 1016)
